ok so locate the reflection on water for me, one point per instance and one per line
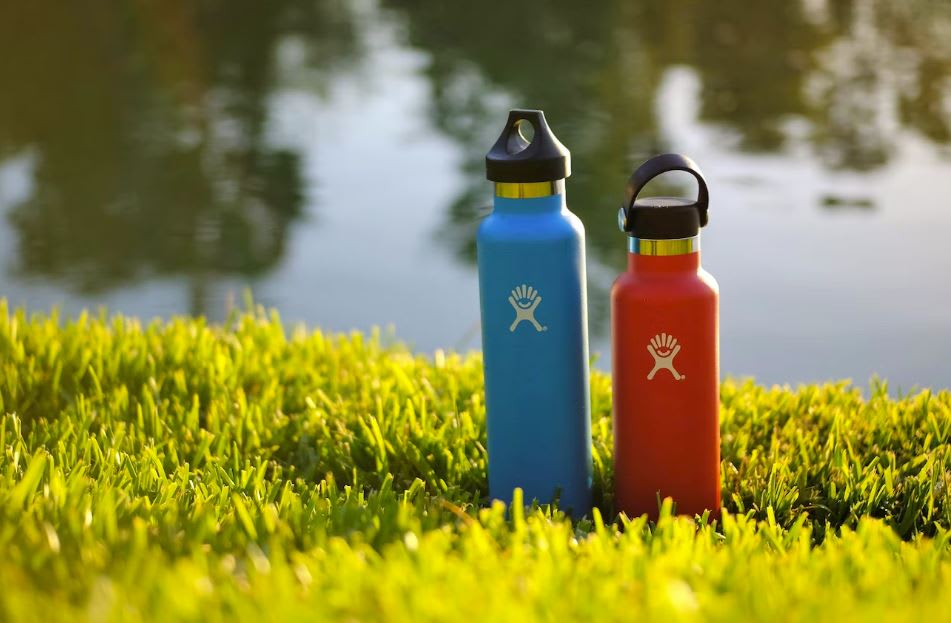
(849, 75)
(146, 125)
(159, 156)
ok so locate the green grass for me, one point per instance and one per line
(183, 471)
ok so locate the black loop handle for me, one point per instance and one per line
(657, 166)
(516, 141)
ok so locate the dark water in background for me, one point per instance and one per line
(159, 157)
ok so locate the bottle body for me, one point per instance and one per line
(532, 287)
(664, 316)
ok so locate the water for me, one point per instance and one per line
(159, 159)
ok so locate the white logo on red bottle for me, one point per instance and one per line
(663, 348)
(525, 300)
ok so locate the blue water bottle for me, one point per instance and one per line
(534, 322)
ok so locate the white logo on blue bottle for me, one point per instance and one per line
(525, 300)
(663, 348)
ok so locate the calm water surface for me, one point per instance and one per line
(159, 158)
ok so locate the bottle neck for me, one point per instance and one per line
(529, 197)
(664, 256)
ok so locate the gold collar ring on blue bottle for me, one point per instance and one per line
(529, 190)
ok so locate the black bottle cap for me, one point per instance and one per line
(663, 218)
(513, 158)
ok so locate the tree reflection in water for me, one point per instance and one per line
(856, 71)
(147, 125)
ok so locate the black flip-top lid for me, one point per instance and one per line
(515, 159)
(663, 218)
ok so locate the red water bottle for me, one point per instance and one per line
(664, 318)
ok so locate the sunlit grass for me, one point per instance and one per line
(184, 471)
